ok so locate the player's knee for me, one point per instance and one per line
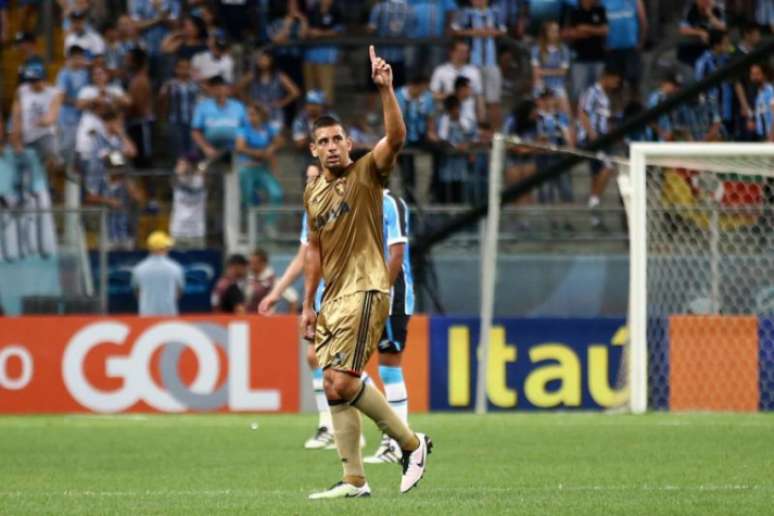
(345, 386)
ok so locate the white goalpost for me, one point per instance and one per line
(700, 225)
(701, 273)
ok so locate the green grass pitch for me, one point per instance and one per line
(501, 463)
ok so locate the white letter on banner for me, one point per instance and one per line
(72, 368)
(240, 397)
(26, 368)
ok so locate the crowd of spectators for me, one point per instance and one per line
(166, 83)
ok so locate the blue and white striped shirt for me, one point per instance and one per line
(483, 50)
(721, 96)
(596, 104)
(393, 18)
(764, 12)
(554, 58)
(416, 112)
(665, 123)
(552, 127)
(182, 97)
(396, 231)
(764, 111)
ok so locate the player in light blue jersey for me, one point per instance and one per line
(393, 341)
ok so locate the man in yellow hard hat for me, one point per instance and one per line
(158, 280)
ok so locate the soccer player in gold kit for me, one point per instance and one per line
(344, 210)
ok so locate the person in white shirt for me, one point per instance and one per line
(35, 113)
(215, 61)
(82, 35)
(444, 76)
(187, 224)
(98, 97)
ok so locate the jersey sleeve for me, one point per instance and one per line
(394, 228)
(304, 238)
(369, 174)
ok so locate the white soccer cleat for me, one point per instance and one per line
(342, 490)
(415, 463)
(322, 439)
(388, 452)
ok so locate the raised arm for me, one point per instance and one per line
(386, 150)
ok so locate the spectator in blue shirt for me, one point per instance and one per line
(594, 112)
(392, 19)
(664, 128)
(483, 24)
(217, 120)
(627, 24)
(721, 98)
(256, 146)
(551, 63)
(431, 19)
(417, 106)
(158, 280)
(743, 88)
(320, 60)
(760, 76)
(458, 134)
(70, 80)
(764, 14)
(154, 19)
(178, 98)
(553, 127)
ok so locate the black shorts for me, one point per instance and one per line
(394, 335)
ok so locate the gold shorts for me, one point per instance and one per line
(348, 330)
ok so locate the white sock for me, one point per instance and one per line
(593, 201)
(321, 400)
(395, 390)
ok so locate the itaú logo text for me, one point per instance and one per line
(171, 338)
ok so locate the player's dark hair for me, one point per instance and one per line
(260, 253)
(326, 121)
(236, 259)
(451, 102)
(461, 82)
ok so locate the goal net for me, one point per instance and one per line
(701, 298)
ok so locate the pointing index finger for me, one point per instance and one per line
(372, 52)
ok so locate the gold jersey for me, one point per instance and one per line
(346, 216)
